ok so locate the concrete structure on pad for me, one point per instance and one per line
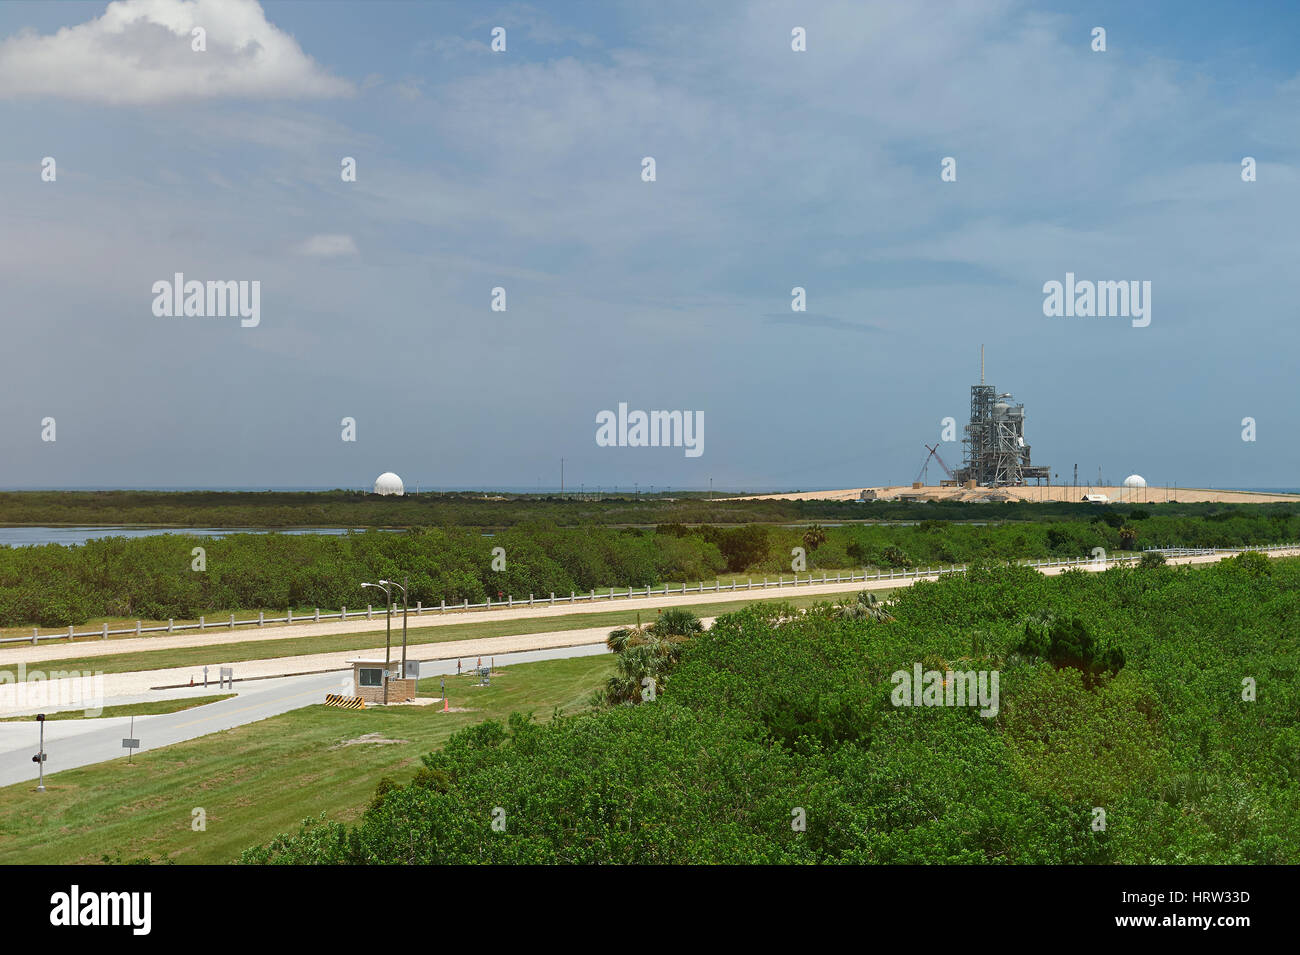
(368, 681)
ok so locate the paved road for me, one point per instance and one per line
(30, 696)
(47, 651)
(73, 743)
(13, 654)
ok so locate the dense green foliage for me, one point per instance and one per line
(465, 509)
(152, 577)
(774, 717)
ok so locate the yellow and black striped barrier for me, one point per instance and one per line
(347, 702)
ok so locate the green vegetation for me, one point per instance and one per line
(254, 780)
(1167, 697)
(647, 654)
(148, 708)
(164, 657)
(475, 509)
(152, 577)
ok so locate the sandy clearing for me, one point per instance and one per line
(1125, 495)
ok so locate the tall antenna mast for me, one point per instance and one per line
(981, 364)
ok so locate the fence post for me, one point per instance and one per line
(171, 622)
(751, 583)
(261, 618)
(318, 615)
(202, 625)
(69, 631)
(232, 621)
(552, 598)
(572, 594)
(343, 615)
(419, 607)
(33, 636)
(593, 594)
(442, 606)
(105, 636)
(370, 611)
(466, 603)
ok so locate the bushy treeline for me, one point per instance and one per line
(153, 577)
(776, 739)
(466, 509)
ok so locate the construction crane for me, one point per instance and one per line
(925, 468)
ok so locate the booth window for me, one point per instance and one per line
(372, 677)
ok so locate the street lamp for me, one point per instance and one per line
(388, 634)
(405, 601)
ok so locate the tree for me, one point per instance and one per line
(865, 606)
(814, 537)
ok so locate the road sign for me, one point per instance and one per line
(39, 758)
(130, 744)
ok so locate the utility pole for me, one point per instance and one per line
(40, 756)
(561, 477)
(388, 633)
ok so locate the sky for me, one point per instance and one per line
(522, 169)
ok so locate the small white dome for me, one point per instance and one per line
(1135, 480)
(389, 483)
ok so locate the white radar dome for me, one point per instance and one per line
(389, 483)
(1135, 480)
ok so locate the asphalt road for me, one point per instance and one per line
(82, 742)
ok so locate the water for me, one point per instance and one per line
(36, 536)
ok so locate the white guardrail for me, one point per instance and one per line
(615, 593)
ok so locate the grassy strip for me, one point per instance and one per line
(257, 780)
(330, 643)
(218, 620)
(148, 708)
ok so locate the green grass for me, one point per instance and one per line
(218, 620)
(298, 646)
(258, 780)
(148, 708)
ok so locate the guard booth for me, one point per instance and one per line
(368, 680)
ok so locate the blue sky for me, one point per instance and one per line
(521, 169)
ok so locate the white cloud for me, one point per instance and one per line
(328, 246)
(139, 52)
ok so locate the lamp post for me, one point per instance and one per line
(388, 634)
(393, 583)
(40, 756)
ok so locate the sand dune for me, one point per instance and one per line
(1141, 495)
